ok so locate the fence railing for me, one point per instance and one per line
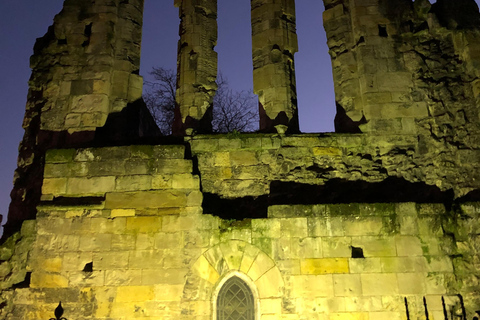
(456, 312)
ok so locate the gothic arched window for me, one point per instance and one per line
(235, 301)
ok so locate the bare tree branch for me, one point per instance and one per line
(232, 110)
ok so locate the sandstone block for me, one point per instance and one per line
(48, 280)
(326, 227)
(336, 247)
(133, 183)
(185, 181)
(93, 279)
(90, 103)
(171, 292)
(146, 199)
(59, 155)
(411, 283)
(249, 256)
(324, 266)
(359, 304)
(385, 315)
(194, 198)
(312, 286)
(349, 316)
(269, 228)
(439, 264)
(260, 266)
(178, 223)
(90, 186)
(97, 242)
(271, 306)
(122, 213)
(134, 293)
(294, 227)
(233, 253)
(165, 240)
(174, 276)
(171, 166)
(408, 246)
(435, 283)
(347, 285)
(110, 260)
(243, 158)
(145, 259)
(363, 226)
(270, 284)
(144, 224)
(379, 284)
(54, 186)
(204, 270)
(310, 248)
(376, 246)
(52, 264)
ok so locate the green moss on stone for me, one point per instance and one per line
(59, 155)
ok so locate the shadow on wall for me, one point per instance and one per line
(335, 191)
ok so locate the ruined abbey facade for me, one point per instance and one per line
(379, 220)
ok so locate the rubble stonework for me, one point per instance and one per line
(360, 224)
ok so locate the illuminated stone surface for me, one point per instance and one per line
(319, 226)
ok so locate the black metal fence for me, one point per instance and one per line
(455, 312)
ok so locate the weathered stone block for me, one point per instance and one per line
(144, 224)
(48, 280)
(261, 265)
(349, 316)
(133, 183)
(90, 186)
(312, 286)
(347, 285)
(411, 283)
(122, 213)
(54, 186)
(409, 246)
(134, 293)
(270, 284)
(146, 199)
(363, 226)
(376, 246)
(324, 266)
(59, 155)
(336, 247)
(379, 284)
(98, 242)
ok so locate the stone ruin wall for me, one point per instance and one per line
(124, 232)
(149, 230)
(406, 67)
(85, 69)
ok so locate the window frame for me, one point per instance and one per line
(250, 284)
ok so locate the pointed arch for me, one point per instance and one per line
(235, 299)
(233, 258)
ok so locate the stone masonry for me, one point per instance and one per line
(274, 43)
(378, 221)
(197, 66)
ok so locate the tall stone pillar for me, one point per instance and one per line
(196, 66)
(274, 43)
(84, 70)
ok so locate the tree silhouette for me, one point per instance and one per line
(233, 111)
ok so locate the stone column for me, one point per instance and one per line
(196, 66)
(84, 69)
(274, 43)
